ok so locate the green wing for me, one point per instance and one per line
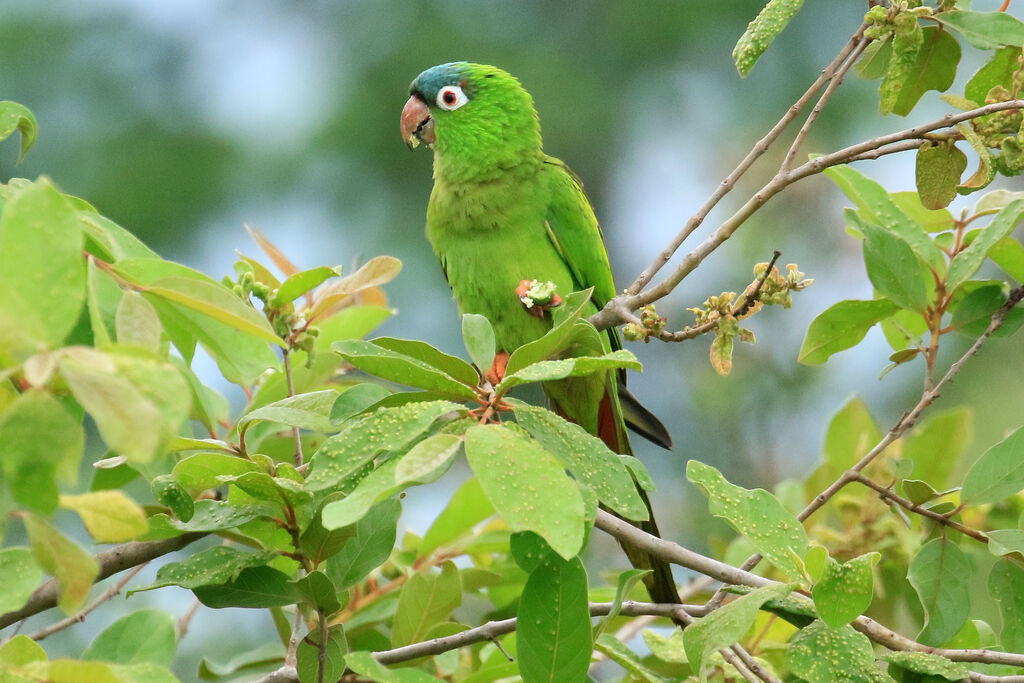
(574, 231)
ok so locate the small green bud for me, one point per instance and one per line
(634, 332)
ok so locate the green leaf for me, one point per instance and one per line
(1006, 586)
(399, 367)
(433, 454)
(527, 486)
(1008, 254)
(255, 587)
(20, 576)
(110, 516)
(616, 651)
(941, 575)
(877, 206)
(16, 117)
(588, 459)
(426, 600)
(973, 314)
(874, 61)
(42, 272)
(363, 663)
(928, 664)
(937, 444)
(216, 565)
(929, 220)
(275, 490)
(668, 648)
(39, 440)
(168, 492)
(985, 30)
(726, 625)
(103, 298)
(214, 515)
(451, 365)
(137, 322)
(755, 514)
(762, 31)
(548, 370)
(842, 326)
(317, 590)
(307, 411)
(145, 635)
(998, 474)
(907, 43)
(1005, 541)
(19, 650)
(938, 171)
(998, 71)
(933, 68)
(386, 429)
(557, 338)
(351, 322)
(308, 655)
(553, 637)
(819, 654)
(74, 569)
(967, 262)
(259, 657)
(368, 548)
(356, 399)
(893, 268)
(300, 283)
(200, 472)
(467, 508)
(378, 271)
(627, 580)
(137, 401)
(986, 172)
(845, 590)
(478, 337)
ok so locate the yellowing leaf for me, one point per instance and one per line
(110, 516)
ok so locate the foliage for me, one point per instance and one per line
(304, 485)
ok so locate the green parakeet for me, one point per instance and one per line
(503, 213)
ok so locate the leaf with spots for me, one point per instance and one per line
(757, 515)
(587, 458)
(217, 565)
(307, 411)
(215, 515)
(928, 664)
(726, 625)
(425, 601)
(363, 663)
(386, 429)
(845, 590)
(19, 575)
(553, 636)
(941, 575)
(527, 485)
(403, 369)
(548, 370)
(762, 31)
(820, 654)
(1006, 586)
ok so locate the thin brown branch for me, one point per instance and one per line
(78, 618)
(834, 82)
(755, 153)
(181, 627)
(111, 562)
(616, 310)
(676, 554)
(888, 494)
(299, 458)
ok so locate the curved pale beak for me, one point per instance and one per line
(416, 124)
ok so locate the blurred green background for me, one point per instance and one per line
(183, 120)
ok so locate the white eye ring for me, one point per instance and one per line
(451, 97)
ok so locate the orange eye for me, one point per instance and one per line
(451, 97)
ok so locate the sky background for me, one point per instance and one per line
(183, 120)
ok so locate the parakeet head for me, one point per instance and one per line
(478, 120)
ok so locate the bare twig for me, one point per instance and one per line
(111, 562)
(755, 153)
(676, 554)
(834, 82)
(181, 627)
(109, 593)
(888, 494)
(618, 309)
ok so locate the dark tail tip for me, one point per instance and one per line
(643, 421)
